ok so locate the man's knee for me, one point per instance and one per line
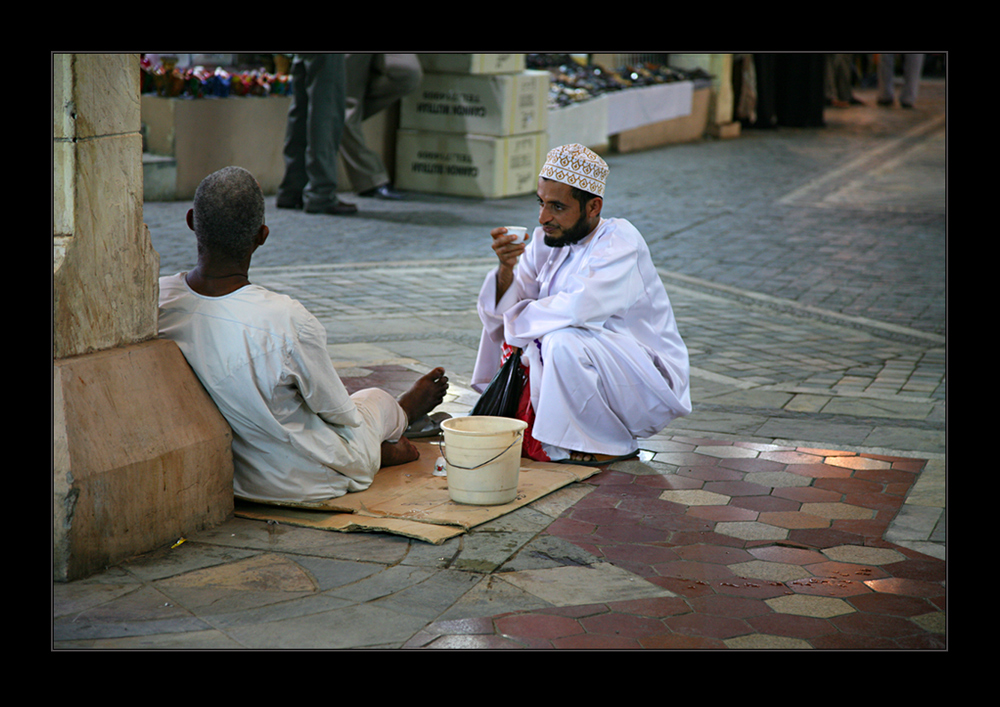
(565, 344)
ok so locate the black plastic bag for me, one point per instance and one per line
(503, 395)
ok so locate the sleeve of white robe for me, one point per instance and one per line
(491, 313)
(311, 371)
(610, 283)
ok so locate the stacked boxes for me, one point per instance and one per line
(476, 126)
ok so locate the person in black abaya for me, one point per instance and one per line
(790, 89)
(800, 89)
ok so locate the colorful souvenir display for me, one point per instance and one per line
(166, 79)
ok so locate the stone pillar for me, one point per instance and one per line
(105, 270)
(140, 453)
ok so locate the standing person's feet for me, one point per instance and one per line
(336, 208)
(384, 191)
(425, 395)
(285, 201)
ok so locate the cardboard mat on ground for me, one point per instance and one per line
(409, 500)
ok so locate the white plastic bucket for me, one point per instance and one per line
(483, 458)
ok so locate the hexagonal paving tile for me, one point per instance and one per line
(694, 497)
(793, 519)
(774, 571)
(828, 586)
(863, 555)
(794, 457)
(727, 451)
(845, 570)
(827, 452)
(777, 479)
(722, 513)
(763, 446)
(761, 641)
(683, 458)
(838, 511)
(751, 530)
(857, 463)
(808, 605)
(936, 622)
(820, 471)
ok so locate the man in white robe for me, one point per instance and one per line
(584, 303)
(262, 357)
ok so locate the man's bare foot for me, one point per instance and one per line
(396, 453)
(582, 457)
(425, 395)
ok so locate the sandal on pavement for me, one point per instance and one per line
(426, 426)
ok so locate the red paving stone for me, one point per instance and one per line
(806, 628)
(906, 587)
(681, 549)
(733, 607)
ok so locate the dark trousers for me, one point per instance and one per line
(315, 126)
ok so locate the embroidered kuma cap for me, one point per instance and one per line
(577, 166)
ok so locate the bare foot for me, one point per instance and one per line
(396, 453)
(425, 395)
(582, 457)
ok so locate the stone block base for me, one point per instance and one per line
(141, 456)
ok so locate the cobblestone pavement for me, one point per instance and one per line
(849, 218)
(807, 271)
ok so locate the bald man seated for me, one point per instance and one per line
(297, 434)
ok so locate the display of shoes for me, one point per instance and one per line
(571, 82)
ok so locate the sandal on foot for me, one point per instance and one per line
(599, 459)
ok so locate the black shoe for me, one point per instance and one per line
(885, 101)
(336, 208)
(384, 191)
(289, 203)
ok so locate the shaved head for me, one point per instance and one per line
(228, 213)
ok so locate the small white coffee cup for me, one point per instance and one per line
(520, 231)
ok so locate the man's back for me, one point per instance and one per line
(262, 357)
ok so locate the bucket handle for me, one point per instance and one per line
(441, 446)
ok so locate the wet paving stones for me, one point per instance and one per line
(810, 576)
